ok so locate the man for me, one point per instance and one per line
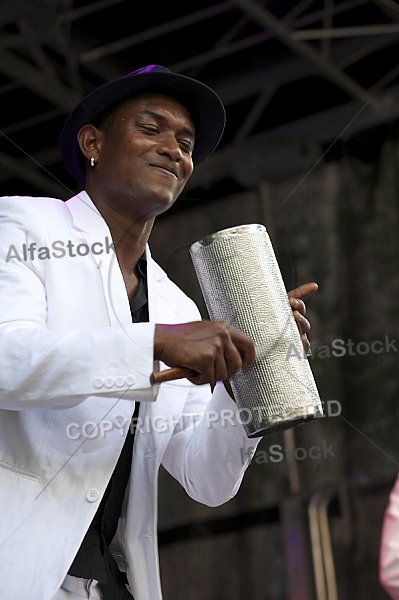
(84, 314)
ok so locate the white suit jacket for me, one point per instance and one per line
(72, 365)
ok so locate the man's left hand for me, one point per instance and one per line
(299, 309)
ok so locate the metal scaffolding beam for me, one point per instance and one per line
(341, 32)
(319, 129)
(49, 88)
(327, 69)
(154, 32)
(220, 51)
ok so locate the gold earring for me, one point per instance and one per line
(92, 161)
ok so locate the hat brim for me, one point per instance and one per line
(204, 105)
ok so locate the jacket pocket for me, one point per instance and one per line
(18, 490)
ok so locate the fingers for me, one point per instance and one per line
(298, 305)
(221, 369)
(303, 291)
(304, 328)
(299, 311)
(304, 325)
(215, 351)
(306, 344)
(246, 348)
(236, 352)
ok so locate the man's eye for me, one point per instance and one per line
(186, 145)
(150, 129)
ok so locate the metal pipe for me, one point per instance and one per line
(258, 38)
(342, 32)
(153, 32)
(327, 69)
(316, 546)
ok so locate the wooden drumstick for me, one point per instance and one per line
(171, 374)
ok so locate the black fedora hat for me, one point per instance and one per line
(204, 105)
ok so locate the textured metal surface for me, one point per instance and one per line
(241, 283)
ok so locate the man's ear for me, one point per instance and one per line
(89, 140)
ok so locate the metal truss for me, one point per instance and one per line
(253, 53)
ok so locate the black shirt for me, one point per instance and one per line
(94, 559)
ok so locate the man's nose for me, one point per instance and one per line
(170, 147)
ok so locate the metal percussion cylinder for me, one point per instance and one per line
(242, 284)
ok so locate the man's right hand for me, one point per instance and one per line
(213, 349)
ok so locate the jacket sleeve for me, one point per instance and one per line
(389, 545)
(52, 369)
(209, 450)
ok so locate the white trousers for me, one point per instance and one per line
(75, 587)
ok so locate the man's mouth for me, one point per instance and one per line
(171, 171)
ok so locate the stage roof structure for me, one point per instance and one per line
(296, 77)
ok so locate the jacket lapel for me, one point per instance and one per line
(94, 230)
